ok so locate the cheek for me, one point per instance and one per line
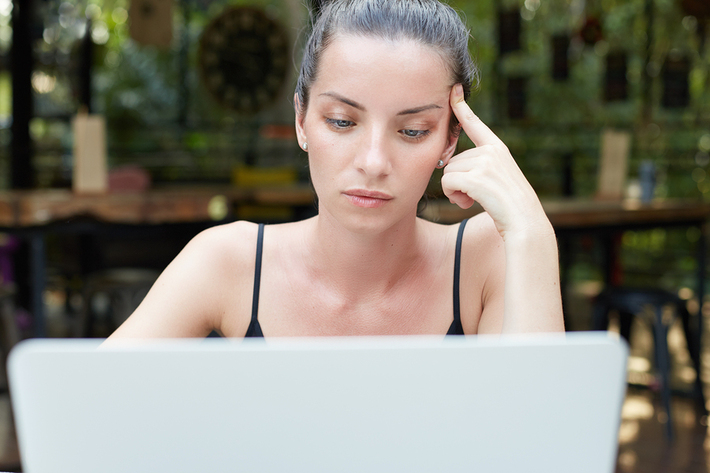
(417, 167)
(326, 160)
(428, 153)
(421, 163)
(326, 155)
(321, 139)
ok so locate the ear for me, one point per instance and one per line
(300, 117)
(450, 148)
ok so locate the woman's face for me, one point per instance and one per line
(376, 125)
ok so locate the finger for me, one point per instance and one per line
(478, 131)
(452, 189)
(461, 199)
(464, 160)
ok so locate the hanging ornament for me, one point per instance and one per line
(676, 88)
(516, 95)
(616, 85)
(700, 9)
(151, 22)
(509, 28)
(560, 57)
(591, 32)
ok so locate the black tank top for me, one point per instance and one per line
(254, 329)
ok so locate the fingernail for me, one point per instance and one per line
(458, 90)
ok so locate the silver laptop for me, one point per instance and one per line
(384, 404)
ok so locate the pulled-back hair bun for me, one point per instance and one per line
(428, 22)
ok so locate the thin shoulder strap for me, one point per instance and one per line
(254, 329)
(457, 277)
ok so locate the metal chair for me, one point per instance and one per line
(630, 302)
(111, 296)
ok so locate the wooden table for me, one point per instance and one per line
(605, 220)
(33, 214)
(24, 209)
(576, 214)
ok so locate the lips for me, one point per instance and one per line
(367, 198)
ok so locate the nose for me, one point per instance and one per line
(374, 157)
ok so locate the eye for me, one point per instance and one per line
(336, 123)
(415, 134)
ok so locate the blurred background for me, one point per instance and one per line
(554, 74)
(195, 100)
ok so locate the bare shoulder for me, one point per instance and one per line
(220, 255)
(481, 244)
(226, 244)
(480, 233)
(206, 285)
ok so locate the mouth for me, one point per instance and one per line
(367, 198)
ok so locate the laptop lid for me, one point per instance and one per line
(384, 404)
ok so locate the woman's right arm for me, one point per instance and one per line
(210, 278)
(489, 174)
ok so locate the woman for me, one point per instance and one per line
(380, 102)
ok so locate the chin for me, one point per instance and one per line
(368, 221)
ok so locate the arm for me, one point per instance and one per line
(488, 174)
(201, 285)
(532, 284)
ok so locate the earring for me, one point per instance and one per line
(305, 146)
(440, 164)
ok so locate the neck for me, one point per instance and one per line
(365, 262)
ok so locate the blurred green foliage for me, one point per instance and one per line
(161, 117)
(150, 103)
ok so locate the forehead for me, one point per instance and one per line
(375, 70)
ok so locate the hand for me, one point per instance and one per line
(489, 174)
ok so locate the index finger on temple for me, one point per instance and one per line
(478, 131)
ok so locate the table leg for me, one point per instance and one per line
(611, 248)
(38, 281)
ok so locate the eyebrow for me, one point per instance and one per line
(352, 103)
(346, 101)
(423, 108)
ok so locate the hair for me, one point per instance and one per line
(428, 22)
